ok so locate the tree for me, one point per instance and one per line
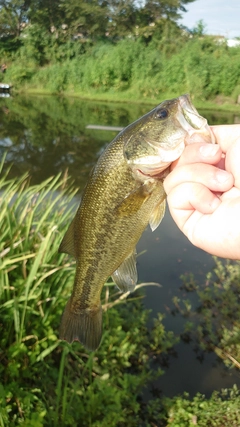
(87, 17)
(200, 28)
(123, 17)
(47, 14)
(154, 10)
(13, 16)
(134, 17)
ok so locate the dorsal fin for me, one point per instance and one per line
(67, 243)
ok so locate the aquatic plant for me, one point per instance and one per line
(214, 324)
(220, 410)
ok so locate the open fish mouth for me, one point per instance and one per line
(175, 123)
(197, 130)
(195, 125)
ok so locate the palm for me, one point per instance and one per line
(215, 232)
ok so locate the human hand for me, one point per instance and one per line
(203, 193)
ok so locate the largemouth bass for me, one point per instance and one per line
(123, 195)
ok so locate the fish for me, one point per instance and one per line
(124, 194)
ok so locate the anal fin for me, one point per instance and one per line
(126, 276)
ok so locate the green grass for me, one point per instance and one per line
(44, 381)
(47, 382)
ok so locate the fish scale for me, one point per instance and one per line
(123, 195)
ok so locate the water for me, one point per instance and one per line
(169, 255)
(48, 135)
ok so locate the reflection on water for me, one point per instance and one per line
(48, 135)
(169, 255)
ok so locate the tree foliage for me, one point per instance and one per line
(86, 18)
(13, 16)
(46, 13)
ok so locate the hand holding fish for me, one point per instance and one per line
(124, 194)
(203, 192)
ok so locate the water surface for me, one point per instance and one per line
(48, 135)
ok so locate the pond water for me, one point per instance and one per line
(48, 135)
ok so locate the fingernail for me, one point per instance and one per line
(222, 176)
(209, 150)
(215, 203)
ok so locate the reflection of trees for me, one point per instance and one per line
(218, 117)
(48, 135)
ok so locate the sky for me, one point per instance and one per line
(221, 17)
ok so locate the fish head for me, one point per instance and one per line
(157, 139)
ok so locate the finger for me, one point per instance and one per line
(232, 161)
(217, 233)
(196, 197)
(210, 176)
(199, 153)
(226, 135)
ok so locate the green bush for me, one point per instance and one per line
(221, 410)
(215, 324)
(199, 66)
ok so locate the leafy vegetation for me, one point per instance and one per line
(44, 381)
(221, 410)
(216, 322)
(93, 19)
(114, 50)
(99, 49)
(47, 382)
(213, 326)
(130, 69)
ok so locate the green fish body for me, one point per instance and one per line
(123, 195)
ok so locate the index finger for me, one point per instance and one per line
(199, 153)
(226, 135)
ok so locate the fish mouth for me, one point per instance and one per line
(196, 130)
(196, 126)
(190, 128)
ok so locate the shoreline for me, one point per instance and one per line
(224, 105)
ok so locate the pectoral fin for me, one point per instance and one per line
(67, 243)
(125, 276)
(157, 214)
(133, 201)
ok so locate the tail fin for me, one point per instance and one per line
(84, 326)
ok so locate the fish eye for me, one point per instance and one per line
(162, 113)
